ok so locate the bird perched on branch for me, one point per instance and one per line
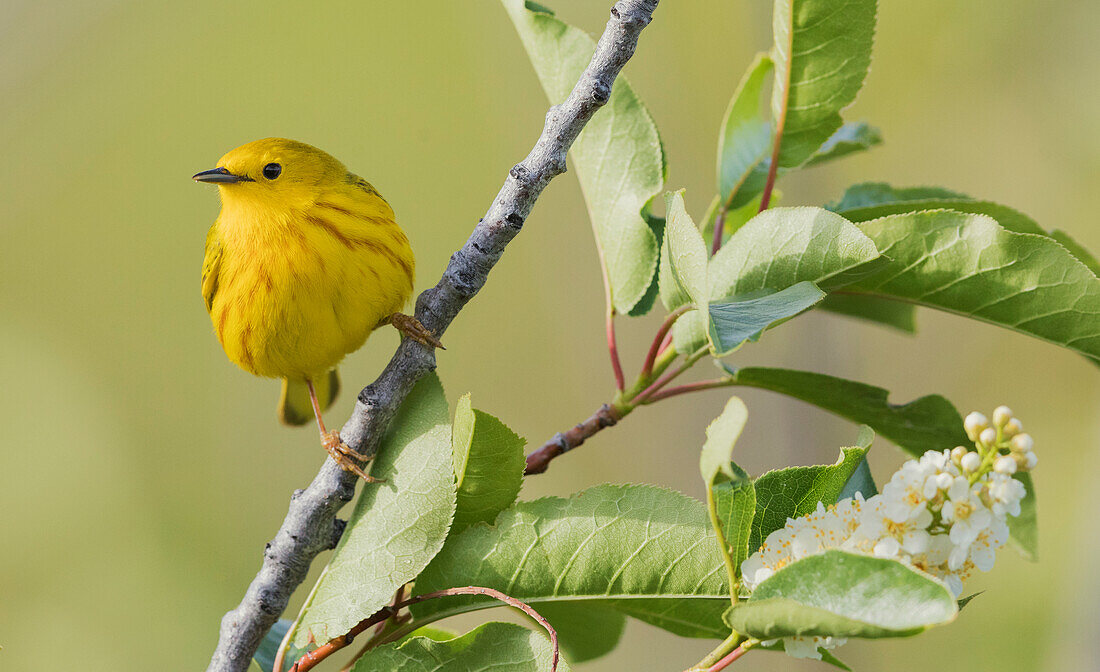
(304, 261)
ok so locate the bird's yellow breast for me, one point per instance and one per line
(297, 286)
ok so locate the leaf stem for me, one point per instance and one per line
(380, 630)
(780, 123)
(728, 644)
(690, 387)
(724, 662)
(644, 397)
(609, 322)
(613, 351)
(659, 339)
(609, 415)
(314, 657)
(719, 227)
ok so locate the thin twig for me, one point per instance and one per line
(658, 344)
(777, 142)
(719, 229)
(689, 387)
(314, 657)
(310, 525)
(609, 328)
(563, 442)
(645, 394)
(613, 351)
(378, 630)
(732, 656)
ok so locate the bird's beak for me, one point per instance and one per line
(219, 176)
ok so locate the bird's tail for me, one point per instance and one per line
(295, 408)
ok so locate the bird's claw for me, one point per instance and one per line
(411, 327)
(345, 457)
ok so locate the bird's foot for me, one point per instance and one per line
(344, 456)
(411, 327)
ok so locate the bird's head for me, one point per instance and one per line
(274, 172)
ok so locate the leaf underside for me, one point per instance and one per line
(618, 156)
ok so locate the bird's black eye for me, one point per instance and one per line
(272, 170)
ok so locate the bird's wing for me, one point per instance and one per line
(210, 265)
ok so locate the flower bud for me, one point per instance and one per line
(1005, 464)
(1030, 460)
(988, 436)
(1022, 443)
(971, 462)
(1001, 415)
(958, 453)
(974, 424)
(1013, 427)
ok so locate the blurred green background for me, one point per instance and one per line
(142, 473)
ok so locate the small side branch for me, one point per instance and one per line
(322, 652)
(563, 442)
(310, 526)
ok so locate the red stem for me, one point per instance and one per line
(613, 350)
(719, 229)
(687, 387)
(665, 343)
(311, 659)
(658, 344)
(730, 657)
(643, 396)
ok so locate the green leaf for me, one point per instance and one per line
(737, 217)
(1024, 528)
(683, 274)
(796, 491)
(781, 247)
(1077, 250)
(840, 594)
(488, 465)
(645, 304)
(869, 201)
(927, 423)
(850, 138)
(1011, 219)
(969, 265)
(966, 600)
(860, 483)
(744, 141)
(822, 52)
(893, 314)
(864, 202)
(269, 647)
(641, 550)
(734, 322)
(826, 655)
(722, 433)
(397, 527)
(618, 157)
(731, 499)
(488, 648)
(867, 194)
(776, 249)
(689, 333)
(585, 631)
(431, 632)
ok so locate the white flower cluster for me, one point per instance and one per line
(944, 514)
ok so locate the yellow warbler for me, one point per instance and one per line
(303, 262)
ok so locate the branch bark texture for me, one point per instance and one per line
(310, 525)
(563, 442)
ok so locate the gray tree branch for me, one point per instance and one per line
(310, 525)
